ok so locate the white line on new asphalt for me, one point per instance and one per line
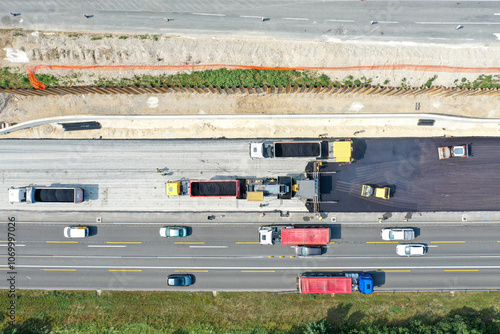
(387, 22)
(14, 245)
(295, 18)
(251, 17)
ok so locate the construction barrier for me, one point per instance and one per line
(265, 90)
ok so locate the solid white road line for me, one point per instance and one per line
(208, 14)
(295, 18)
(339, 20)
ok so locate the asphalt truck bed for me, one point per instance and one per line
(289, 150)
(55, 195)
(214, 188)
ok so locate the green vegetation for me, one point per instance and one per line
(429, 82)
(483, 81)
(96, 38)
(258, 313)
(123, 37)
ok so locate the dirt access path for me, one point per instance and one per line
(34, 48)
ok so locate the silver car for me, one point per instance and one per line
(173, 232)
(308, 250)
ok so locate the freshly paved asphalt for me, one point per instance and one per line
(419, 181)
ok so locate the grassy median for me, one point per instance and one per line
(203, 312)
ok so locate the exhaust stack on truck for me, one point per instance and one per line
(45, 195)
(327, 282)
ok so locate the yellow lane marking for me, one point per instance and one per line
(270, 256)
(292, 256)
(189, 243)
(258, 271)
(247, 242)
(447, 242)
(125, 242)
(4, 269)
(381, 242)
(393, 271)
(59, 269)
(461, 270)
(62, 242)
(192, 271)
(16, 241)
(134, 270)
(332, 242)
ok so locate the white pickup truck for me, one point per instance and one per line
(397, 233)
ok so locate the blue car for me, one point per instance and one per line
(180, 280)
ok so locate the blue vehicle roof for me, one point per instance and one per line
(365, 283)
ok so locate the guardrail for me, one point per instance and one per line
(339, 90)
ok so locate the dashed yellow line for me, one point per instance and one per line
(59, 270)
(247, 242)
(332, 242)
(16, 241)
(192, 271)
(461, 270)
(447, 242)
(258, 271)
(62, 242)
(189, 243)
(132, 270)
(381, 242)
(4, 268)
(125, 242)
(393, 271)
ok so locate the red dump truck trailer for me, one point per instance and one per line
(327, 282)
(291, 235)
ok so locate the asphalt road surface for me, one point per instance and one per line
(326, 20)
(419, 181)
(228, 257)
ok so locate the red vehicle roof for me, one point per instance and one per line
(305, 236)
(325, 285)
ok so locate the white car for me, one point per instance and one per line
(76, 232)
(410, 249)
(397, 233)
(173, 232)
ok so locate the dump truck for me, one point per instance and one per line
(224, 188)
(329, 282)
(379, 192)
(291, 235)
(397, 233)
(339, 150)
(446, 152)
(45, 195)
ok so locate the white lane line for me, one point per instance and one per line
(208, 246)
(106, 246)
(339, 20)
(497, 35)
(208, 14)
(496, 14)
(464, 23)
(252, 17)
(387, 22)
(295, 18)
(14, 245)
(440, 38)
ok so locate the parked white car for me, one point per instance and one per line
(397, 233)
(410, 249)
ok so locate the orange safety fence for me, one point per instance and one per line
(188, 67)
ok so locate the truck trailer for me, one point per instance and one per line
(224, 188)
(291, 235)
(45, 195)
(329, 282)
(335, 150)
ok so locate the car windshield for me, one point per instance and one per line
(391, 235)
(459, 151)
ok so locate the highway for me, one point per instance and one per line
(228, 257)
(430, 21)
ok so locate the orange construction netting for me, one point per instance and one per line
(188, 67)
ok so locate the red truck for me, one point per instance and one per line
(291, 235)
(225, 188)
(328, 282)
